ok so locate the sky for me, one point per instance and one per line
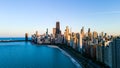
(18, 17)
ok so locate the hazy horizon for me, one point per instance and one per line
(18, 17)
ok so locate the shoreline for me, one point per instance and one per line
(84, 61)
(68, 55)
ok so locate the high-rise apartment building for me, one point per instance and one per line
(89, 34)
(79, 41)
(82, 32)
(100, 52)
(116, 53)
(54, 32)
(108, 53)
(37, 34)
(47, 33)
(95, 35)
(67, 33)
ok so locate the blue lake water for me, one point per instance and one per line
(13, 38)
(27, 55)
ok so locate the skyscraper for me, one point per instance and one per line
(105, 35)
(58, 27)
(79, 43)
(37, 34)
(82, 32)
(54, 32)
(47, 32)
(116, 53)
(58, 32)
(95, 35)
(67, 35)
(89, 34)
(67, 32)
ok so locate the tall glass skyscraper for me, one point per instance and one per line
(58, 28)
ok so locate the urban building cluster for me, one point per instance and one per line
(55, 38)
(100, 47)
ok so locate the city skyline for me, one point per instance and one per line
(19, 17)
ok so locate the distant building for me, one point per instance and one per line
(65, 41)
(37, 33)
(108, 53)
(100, 52)
(101, 34)
(54, 32)
(82, 32)
(79, 41)
(57, 27)
(93, 51)
(89, 35)
(75, 41)
(26, 36)
(58, 31)
(59, 40)
(105, 35)
(71, 39)
(47, 33)
(67, 35)
(95, 35)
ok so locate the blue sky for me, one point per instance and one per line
(20, 16)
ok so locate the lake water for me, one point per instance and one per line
(13, 38)
(27, 55)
